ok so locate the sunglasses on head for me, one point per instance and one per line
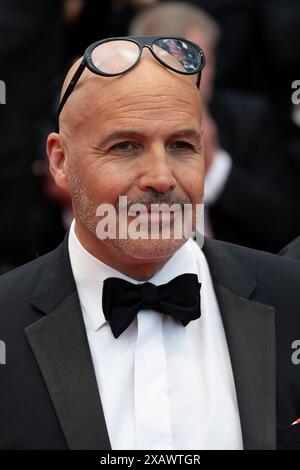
(115, 56)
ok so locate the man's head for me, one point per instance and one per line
(136, 135)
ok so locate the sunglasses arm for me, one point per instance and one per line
(199, 79)
(69, 90)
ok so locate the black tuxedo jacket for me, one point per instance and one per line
(49, 397)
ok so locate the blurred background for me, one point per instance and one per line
(251, 123)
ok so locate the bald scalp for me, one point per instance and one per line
(69, 76)
(147, 79)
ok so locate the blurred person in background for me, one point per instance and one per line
(262, 45)
(251, 177)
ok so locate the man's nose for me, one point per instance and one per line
(157, 172)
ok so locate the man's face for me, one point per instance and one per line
(137, 135)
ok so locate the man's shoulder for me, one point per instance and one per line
(264, 266)
(23, 274)
(20, 281)
(292, 250)
(260, 256)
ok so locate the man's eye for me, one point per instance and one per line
(125, 146)
(181, 145)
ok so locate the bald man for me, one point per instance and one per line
(136, 342)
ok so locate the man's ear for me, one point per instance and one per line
(57, 161)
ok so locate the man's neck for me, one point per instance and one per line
(135, 268)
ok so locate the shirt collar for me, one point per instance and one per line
(89, 274)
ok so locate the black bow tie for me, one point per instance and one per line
(122, 300)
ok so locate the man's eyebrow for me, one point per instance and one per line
(192, 133)
(120, 133)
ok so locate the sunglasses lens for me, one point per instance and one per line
(115, 57)
(178, 54)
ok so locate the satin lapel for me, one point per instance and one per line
(250, 333)
(60, 346)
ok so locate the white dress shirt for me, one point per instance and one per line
(162, 385)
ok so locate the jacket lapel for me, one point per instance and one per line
(250, 332)
(60, 346)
